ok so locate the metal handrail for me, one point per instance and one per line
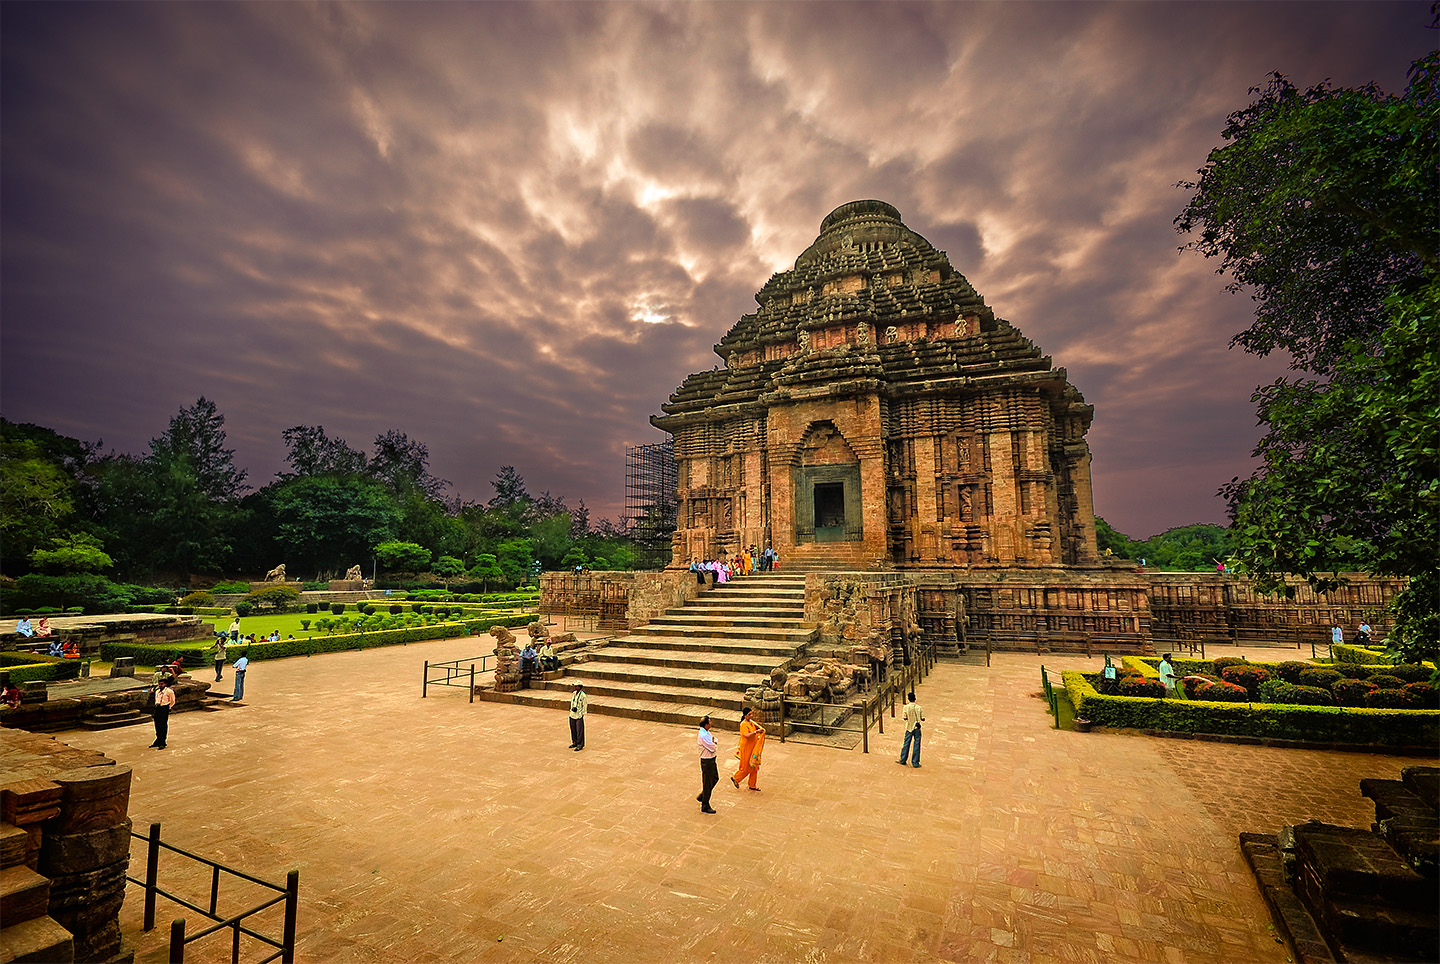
(289, 894)
(872, 706)
(453, 671)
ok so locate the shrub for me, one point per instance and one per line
(243, 608)
(277, 599)
(1352, 692)
(1425, 694)
(416, 608)
(304, 625)
(315, 586)
(1411, 672)
(1223, 693)
(228, 588)
(1193, 684)
(198, 598)
(1352, 670)
(1310, 696)
(1323, 678)
(337, 608)
(1290, 670)
(1275, 691)
(396, 609)
(1225, 661)
(1385, 681)
(30, 667)
(312, 608)
(1246, 675)
(368, 610)
(1350, 653)
(322, 625)
(1137, 685)
(1391, 699)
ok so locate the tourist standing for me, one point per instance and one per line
(752, 745)
(577, 717)
(1337, 635)
(164, 700)
(1167, 675)
(241, 664)
(709, 769)
(234, 630)
(219, 657)
(914, 716)
(1362, 634)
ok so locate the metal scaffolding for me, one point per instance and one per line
(650, 501)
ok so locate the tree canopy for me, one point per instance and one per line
(1322, 206)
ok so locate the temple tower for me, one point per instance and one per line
(874, 413)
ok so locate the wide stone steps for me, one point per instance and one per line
(668, 690)
(655, 711)
(743, 627)
(673, 659)
(642, 676)
(733, 645)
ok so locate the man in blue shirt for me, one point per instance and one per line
(709, 769)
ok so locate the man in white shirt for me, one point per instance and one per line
(239, 668)
(709, 769)
(577, 717)
(164, 700)
(913, 717)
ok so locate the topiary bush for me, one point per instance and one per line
(1425, 694)
(1352, 670)
(396, 609)
(312, 608)
(228, 588)
(1411, 672)
(337, 608)
(243, 609)
(368, 609)
(1391, 699)
(1290, 670)
(1323, 678)
(1352, 692)
(1246, 675)
(1225, 661)
(1385, 681)
(1137, 685)
(1193, 684)
(1275, 690)
(197, 598)
(1309, 696)
(1223, 693)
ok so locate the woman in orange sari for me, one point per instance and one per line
(752, 745)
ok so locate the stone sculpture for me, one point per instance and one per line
(351, 574)
(277, 574)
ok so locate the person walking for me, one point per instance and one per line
(219, 657)
(752, 745)
(577, 717)
(913, 718)
(709, 769)
(1167, 675)
(241, 665)
(164, 700)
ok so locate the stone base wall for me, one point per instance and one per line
(615, 600)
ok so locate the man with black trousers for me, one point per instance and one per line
(709, 769)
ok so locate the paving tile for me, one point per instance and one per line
(440, 830)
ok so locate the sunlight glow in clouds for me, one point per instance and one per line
(510, 230)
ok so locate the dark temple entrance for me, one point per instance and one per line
(829, 512)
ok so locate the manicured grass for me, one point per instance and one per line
(287, 623)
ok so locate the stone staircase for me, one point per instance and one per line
(696, 659)
(27, 932)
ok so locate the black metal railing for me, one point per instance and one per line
(289, 894)
(454, 672)
(873, 702)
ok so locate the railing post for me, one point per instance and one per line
(880, 712)
(177, 941)
(292, 901)
(425, 685)
(214, 889)
(865, 727)
(235, 943)
(782, 717)
(152, 869)
(472, 682)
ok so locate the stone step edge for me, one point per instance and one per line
(655, 692)
(683, 714)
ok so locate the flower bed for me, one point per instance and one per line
(1320, 724)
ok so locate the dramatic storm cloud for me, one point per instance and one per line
(511, 230)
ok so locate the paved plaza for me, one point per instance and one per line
(440, 830)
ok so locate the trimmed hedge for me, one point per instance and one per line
(29, 667)
(183, 610)
(1321, 724)
(1350, 653)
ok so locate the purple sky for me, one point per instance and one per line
(512, 230)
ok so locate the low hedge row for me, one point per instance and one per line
(1350, 653)
(1320, 724)
(29, 667)
(196, 653)
(183, 610)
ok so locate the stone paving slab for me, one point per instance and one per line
(440, 830)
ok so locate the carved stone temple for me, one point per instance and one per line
(875, 413)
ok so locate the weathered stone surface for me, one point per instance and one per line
(94, 798)
(83, 902)
(24, 894)
(38, 941)
(81, 852)
(102, 944)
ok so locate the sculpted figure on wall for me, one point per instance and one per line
(277, 574)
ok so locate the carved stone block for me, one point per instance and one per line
(81, 852)
(94, 798)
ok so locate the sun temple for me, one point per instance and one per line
(874, 412)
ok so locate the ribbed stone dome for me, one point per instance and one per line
(859, 222)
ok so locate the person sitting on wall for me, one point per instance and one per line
(11, 695)
(57, 648)
(23, 627)
(71, 651)
(42, 629)
(529, 662)
(549, 662)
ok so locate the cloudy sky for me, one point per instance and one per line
(511, 230)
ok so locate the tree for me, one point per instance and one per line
(402, 556)
(312, 452)
(1119, 544)
(447, 568)
(401, 462)
(37, 500)
(79, 552)
(330, 522)
(486, 570)
(197, 436)
(1323, 206)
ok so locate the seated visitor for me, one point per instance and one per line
(23, 627)
(548, 660)
(56, 648)
(42, 628)
(71, 650)
(529, 660)
(11, 695)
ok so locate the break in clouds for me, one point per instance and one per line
(510, 230)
